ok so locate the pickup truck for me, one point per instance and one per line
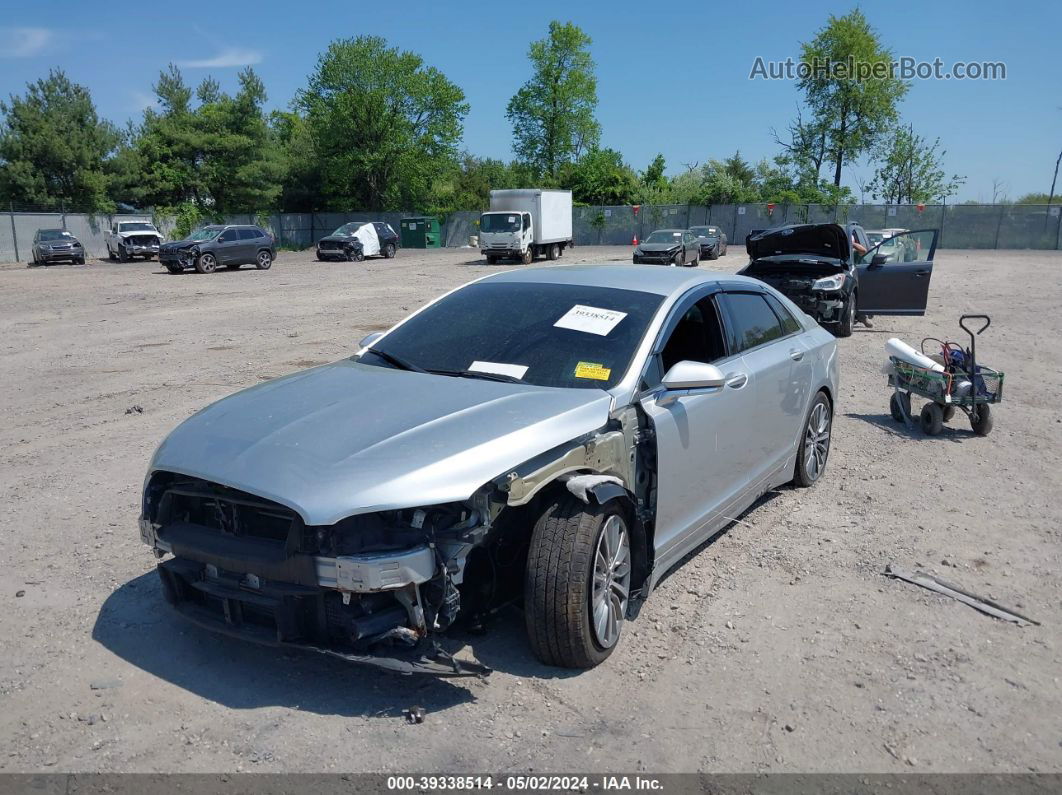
(128, 239)
(525, 224)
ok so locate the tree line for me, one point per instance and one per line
(376, 128)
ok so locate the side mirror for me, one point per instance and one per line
(689, 378)
(370, 339)
(879, 259)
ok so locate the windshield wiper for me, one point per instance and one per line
(401, 364)
(509, 379)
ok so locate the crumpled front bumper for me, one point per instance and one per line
(824, 307)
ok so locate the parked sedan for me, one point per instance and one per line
(817, 267)
(668, 247)
(560, 437)
(712, 240)
(57, 245)
(357, 240)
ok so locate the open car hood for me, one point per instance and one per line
(828, 241)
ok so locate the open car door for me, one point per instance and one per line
(894, 275)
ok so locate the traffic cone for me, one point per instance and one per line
(634, 241)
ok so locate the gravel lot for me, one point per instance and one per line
(779, 646)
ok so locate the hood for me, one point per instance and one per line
(138, 232)
(815, 240)
(177, 244)
(658, 246)
(350, 438)
(339, 239)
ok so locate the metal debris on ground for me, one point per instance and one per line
(986, 606)
(415, 715)
(135, 410)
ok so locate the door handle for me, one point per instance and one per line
(736, 380)
(796, 355)
(920, 274)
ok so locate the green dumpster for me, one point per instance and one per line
(420, 232)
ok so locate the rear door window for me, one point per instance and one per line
(752, 321)
(249, 234)
(790, 325)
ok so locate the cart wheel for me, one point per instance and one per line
(900, 406)
(932, 419)
(981, 419)
(949, 412)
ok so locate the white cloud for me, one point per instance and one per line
(24, 42)
(228, 57)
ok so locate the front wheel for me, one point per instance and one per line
(263, 261)
(355, 255)
(492, 260)
(528, 256)
(577, 582)
(174, 267)
(123, 256)
(815, 443)
(206, 263)
(696, 261)
(900, 406)
(932, 419)
(981, 419)
(844, 327)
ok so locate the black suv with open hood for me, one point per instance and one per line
(817, 267)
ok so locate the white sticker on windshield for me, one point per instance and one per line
(515, 370)
(590, 319)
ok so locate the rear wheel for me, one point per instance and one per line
(949, 412)
(577, 582)
(264, 260)
(932, 419)
(815, 444)
(553, 252)
(206, 263)
(981, 419)
(389, 250)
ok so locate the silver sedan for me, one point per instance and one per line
(557, 437)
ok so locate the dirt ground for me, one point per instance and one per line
(780, 646)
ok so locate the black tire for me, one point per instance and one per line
(355, 255)
(844, 326)
(110, 254)
(713, 254)
(492, 260)
(122, 255)
(932, 419)
(206, 263)
(949, 412)
(981, 422)
(558, 583)
(675, 261)
(390, 251)
(149, 257)
(553, 252)
(696, 260)
(264, 260)
(813, 451)
(897, 400)
(174, 267)
(528, 256)
(80, 261)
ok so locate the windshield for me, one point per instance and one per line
(206, 233)
(499, 222)
(875, 237)
(137, 226)
(348, 230)
(556, 335)
(705, 231)
(55, 234)
(663, 236)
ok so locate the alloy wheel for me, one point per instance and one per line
(817, 441)
(612, 580)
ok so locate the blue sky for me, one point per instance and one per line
(672, 78)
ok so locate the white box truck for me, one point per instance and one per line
(526, 223)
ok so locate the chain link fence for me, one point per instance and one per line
(987, 226)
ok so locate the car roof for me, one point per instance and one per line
(643, 278)
(52, 229)
(668, 230)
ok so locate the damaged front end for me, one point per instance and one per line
(374, 588)
(820, 291)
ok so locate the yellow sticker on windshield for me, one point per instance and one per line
(598, 372)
